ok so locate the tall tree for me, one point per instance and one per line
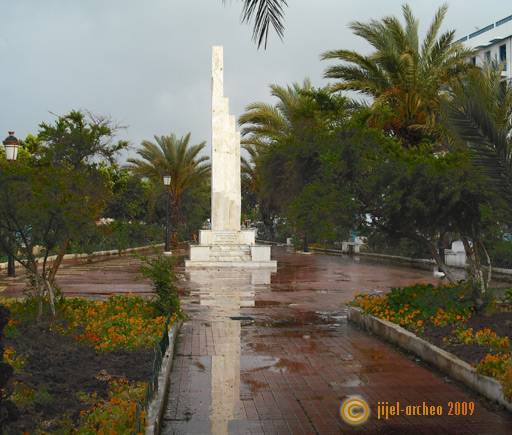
(405, 78)
(284, 142)
(170, 155)
(54, 193)
(46, 206)
(80, 143)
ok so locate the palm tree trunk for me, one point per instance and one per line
(175, 220)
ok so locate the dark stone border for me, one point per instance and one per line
(156, 408)
(441, 359)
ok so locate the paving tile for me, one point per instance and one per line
(289, 369)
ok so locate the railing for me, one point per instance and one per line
(479, 32)
(504, 20)
(486, 29)
(152, 387)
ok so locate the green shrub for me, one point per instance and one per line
(501, 254)
(160, 270)
(428, 299)
(383, 244)
(119, 235)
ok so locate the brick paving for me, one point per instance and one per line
(261, 357)
(100, 279)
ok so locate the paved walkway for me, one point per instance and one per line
(100, 279)
(275, 355)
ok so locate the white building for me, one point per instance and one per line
(493, 43)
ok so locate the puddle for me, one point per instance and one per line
(285, 365)
(255, 385)
(336, 317)
(263, 304)
(250, 363)
(349, 383)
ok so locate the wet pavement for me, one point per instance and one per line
(100, 279)
(273, 353)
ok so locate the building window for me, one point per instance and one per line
(503, 56)
(473, 60)
(488, 56)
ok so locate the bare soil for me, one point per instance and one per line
(499, 322)
(60, 368)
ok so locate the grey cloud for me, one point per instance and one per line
(147, 63)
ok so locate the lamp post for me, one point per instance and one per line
(167, 184)
(11, 144)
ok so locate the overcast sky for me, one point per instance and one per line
(146, 63)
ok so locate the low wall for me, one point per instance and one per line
(98, 255)
(155, 411)
(439, 358)
(419, 263)
(498, 273)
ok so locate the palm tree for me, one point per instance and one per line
(479, 114)
(263, 124)
(405, 80)
(264, 14)
(170, 155)
(275, 137)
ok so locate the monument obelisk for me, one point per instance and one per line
(225, 244)
(226, 190)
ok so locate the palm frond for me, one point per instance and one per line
(480, 102)
(433, 30)
(264, 14)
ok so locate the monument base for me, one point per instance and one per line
(215, 237)
(229, 249)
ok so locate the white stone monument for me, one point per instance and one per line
(226, 245)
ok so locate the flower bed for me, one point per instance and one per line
(445, 316)
(88, 370)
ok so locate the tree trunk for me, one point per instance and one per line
(475, 272)
(176, 220)
(51, 295)
(268, 223)
(305, 247)
(57, 262)
(39, 291)
(441, 265)
(489, 265)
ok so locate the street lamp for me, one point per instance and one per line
(167, 184)
(11, 144)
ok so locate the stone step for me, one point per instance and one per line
(228, 253)
(230, 258)
(230, 247)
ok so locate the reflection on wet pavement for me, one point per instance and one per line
(266, 353)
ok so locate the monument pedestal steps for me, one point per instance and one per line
(229, 249)
(226, 244)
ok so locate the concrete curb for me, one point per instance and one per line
(444, 361)
(155, 411)
(418, 263)
(98, 255)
